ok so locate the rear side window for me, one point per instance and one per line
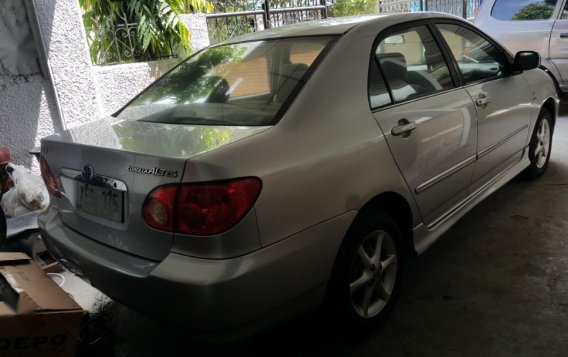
(407, 64)
(235, 84)
(520, 10)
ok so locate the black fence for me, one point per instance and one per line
(113, 44)
(233, 19)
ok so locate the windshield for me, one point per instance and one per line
(236, 84)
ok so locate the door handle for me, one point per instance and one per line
(564, 35)
(482, 101)
(404, 128)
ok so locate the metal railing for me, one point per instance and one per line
(401, 6)
(463, 8)
(112, 44)
(255, 16)
(222, 26)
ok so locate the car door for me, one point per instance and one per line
(558, 50)
(429, 123)
(503, 100)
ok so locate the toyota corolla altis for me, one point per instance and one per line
(282, 169)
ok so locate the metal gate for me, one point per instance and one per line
(463, 8)
(237, 18)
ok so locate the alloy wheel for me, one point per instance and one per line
(373, 274)
(543, 144)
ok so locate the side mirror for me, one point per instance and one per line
(525, 60)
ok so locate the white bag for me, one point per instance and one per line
(12, 206)
(29, 191)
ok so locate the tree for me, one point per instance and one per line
(353, 7)
(159, 32)
(535, 11)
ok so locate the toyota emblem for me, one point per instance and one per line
(88, 173)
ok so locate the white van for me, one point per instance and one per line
(538, 25)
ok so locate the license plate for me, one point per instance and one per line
(100, 201)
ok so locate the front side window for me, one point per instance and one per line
(412, 65)
(235, 84)
(477, 58)
(519, 10)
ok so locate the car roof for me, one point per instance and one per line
(335, 26)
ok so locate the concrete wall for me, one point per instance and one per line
(18, 50)
(64, 39)
(47, 81)
(197, 24)
(116, 85)
(28, 109)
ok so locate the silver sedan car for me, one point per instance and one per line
(294, 167)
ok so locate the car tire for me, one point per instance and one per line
(540, 146)
(3, 227)
(365, 283)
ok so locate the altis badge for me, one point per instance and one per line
(156, 171)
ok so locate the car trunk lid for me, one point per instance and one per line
(108, 167)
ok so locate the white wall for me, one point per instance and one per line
(116, 85)
(28, 108)
(18, 51)
(63, 34)
(197, 24)
(70, 91)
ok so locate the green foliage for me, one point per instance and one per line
(537, 11)
(174, 140)
(222, 29)
(160, 32)
(192, 81)
(353, 7)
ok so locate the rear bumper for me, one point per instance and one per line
(208, 295)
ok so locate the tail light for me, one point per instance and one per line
(158, 209)
(201, 209)
(53, 183)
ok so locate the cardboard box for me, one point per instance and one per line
(37, 318)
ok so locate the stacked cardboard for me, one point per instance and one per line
(37, 318)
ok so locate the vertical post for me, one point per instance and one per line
(266, 8)
(425, 6)
(58, 120)
(324, 11)
(197, 25)
(65, 40)
(464, 8)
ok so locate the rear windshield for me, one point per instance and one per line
(236, 84)
(519, 10)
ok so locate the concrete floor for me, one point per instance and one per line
(495, 285)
